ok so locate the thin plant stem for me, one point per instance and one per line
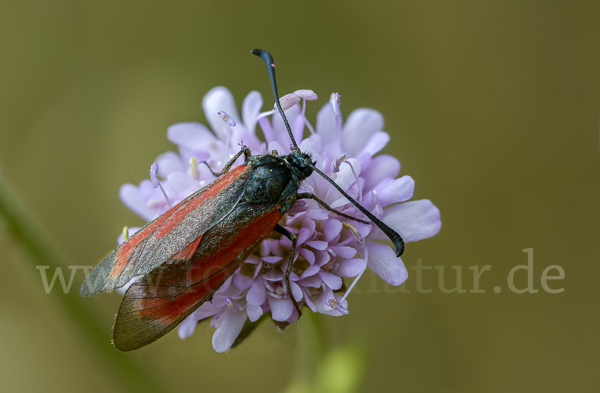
(129, 374)
(321, 368)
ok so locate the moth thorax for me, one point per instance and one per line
(301, 162)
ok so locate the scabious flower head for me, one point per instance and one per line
(329, 247)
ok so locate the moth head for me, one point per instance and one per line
(302, 162)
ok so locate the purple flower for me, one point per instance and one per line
(329, 247)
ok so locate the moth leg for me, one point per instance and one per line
(247, 154)
(308, 195)
(286, 276)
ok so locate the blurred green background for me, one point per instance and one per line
(492, 107)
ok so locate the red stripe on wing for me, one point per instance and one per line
(189, 251)
(155, 305)
(127, 248)
(167, 221)
(176, 218)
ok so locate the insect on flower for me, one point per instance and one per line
(185, 255)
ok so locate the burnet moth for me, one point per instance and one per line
(186, 254)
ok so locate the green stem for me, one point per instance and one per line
(320, 368)
(131, 375)
(312, 348)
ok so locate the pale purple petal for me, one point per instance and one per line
(310, 225)
(205, 174)
(321, 257)
(298, 127)
(242, 282)
(285, 243)
(294, 317)
(351, 267)
(308, 255)
(272, 259)
(181, 182)
(311, 147)
(394, 191)
(276, 146)
(297, 215)
(267, 129)
(313, 281)
(303, 236)
(191, 135)
(253, 259)
(257, 293)
(251, 109)
(296, 291)
(310, 271)
(149, 193)
(239, 135)
(281, 134)
(317, 244)
(131, 197)
(384, 262)
(216, 100)
(225, 286)
(254, 312)
(265, 247)
(345, 179)
(376, 143)
(230, 327)
(331, 152)
(273, 275)
(344, 252)
(326, 126)
(360, 126)
(363, 229)
(331, 280)
(414, 220)
(318, 214)
(339, 202)
(206, 310)
(308, 301)
(170, 162)
(382, 167)
(281, 309)
(187, 327)
(365, 160)
(332, 229)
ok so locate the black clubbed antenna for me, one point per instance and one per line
(393, 235)
(266, 56)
